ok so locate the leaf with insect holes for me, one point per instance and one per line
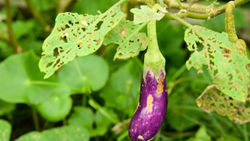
(76, 35)
(226, 63)
(145, 14)
(212, 100)
(130, 41)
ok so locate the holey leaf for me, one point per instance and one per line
(145, 14)
(212, 100)
(225, 61)
(76, 35)
(130, 41)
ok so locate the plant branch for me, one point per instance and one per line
(199, 11)
(196, 11)
(175, 4)
(64, 5)
(12, 39)
(38, 16)
(4, 38)
(177, 18)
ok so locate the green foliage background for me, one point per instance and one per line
(93, 97)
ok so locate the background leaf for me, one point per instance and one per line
(84, 73)
(6, 107)
(32, 136)
(5, 130)
(57, 106)
(124, 85)
(91, 7)
(21, 81)
(82, 116)
(66, 133)
(201, 135)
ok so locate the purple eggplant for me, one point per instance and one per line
(151, 109)
(152, 106)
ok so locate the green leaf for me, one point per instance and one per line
(182, 112)
(201, 135)
(145, 14)
(18, 29)
(130, 41)
(226, 63)
(85, 72)
(123, 88)
(101, 123)
(6, 107)
(33, 136)
(82, 116)
(45, 5)
(91, 6)
(21, 81)
(5, 49)
(76, 35)
(65, 133)
(57, 106)
(5, 130)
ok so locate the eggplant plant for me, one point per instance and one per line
(92, 96)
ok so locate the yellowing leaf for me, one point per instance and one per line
(212, 100)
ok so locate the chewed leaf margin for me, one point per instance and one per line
(225, 61)
(76, 35)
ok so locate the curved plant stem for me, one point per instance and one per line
(229, 23)
(12, 39)
(38, 16)
(98, 107)
(64, 5)
(173, 16)
(35, 119)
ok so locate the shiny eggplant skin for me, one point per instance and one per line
(151, 109)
